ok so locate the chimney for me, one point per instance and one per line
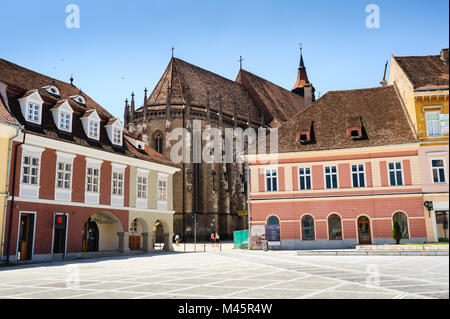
(444, 54)
(308, 91)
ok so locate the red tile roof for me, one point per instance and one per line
(21, 81)
(5, 115)
(425, 72)
(274, 101)
(379, 110)
(185, 78)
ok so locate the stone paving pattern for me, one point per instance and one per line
(232, 274)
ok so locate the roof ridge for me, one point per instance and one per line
(268, 81)
(197, 67)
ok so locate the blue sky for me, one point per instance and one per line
(124, 46)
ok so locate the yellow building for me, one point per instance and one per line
(423, 84)
(9, 128)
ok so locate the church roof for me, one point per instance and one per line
(377, 110)
(425, 72)
(185, 78)
(249, 93)
(274, 101)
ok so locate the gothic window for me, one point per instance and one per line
(158, 140)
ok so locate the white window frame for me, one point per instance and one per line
(62, 193)
(92, 197)
(35, 99)
(271, 169)
(91, 131)
(87, 119)
(117, 199)
(28, 189)
(162, 204)
(331, 174)
(63, 122)
(395, 173)
(444, 161)
(358, 172)
(142, 202)
(39, 111)
(305, 175)
(117, 135)
(427, 113)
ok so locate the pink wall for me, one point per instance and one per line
(317, 176)
(425, 168)
(344, 176)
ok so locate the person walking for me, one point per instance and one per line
(217, 239)
(177, 239)
(213, 239)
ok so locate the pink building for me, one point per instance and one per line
(346, 167)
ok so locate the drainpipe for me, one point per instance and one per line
(18, 128)
(12, 195)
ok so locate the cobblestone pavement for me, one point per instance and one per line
(232, 274)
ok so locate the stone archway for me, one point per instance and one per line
(161, 237)
(101, 232)
(138, 233)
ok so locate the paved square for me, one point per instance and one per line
(231, 274)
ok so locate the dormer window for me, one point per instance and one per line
(79, 99)
(117, 135)
(64, 121)
(33, 113)
(52, 89)
(93, 129)
(91, 124)
(303, 136)
(62, 116)
(354, 132)
(114, 129)
(31, 107)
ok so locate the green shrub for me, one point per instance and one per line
(396, 232)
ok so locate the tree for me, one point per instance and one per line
(396, 232)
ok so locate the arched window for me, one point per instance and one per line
(308, 228)
(273, 220)
(403, 221)
(158, 140)
(334, 227)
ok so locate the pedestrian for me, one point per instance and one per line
(177, 239)
(217, 239)
(213, 239)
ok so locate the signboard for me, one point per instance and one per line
(273, 233)
(242, 213)
(60, 221)
(258, 236)
(444, 123)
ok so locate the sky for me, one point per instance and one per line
(125, 46)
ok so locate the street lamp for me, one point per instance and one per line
(429, 205)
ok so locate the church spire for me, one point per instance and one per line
(126, 113)
(302, 77)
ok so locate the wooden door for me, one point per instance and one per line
(25, 237)
(364, 231)
(135, 242)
